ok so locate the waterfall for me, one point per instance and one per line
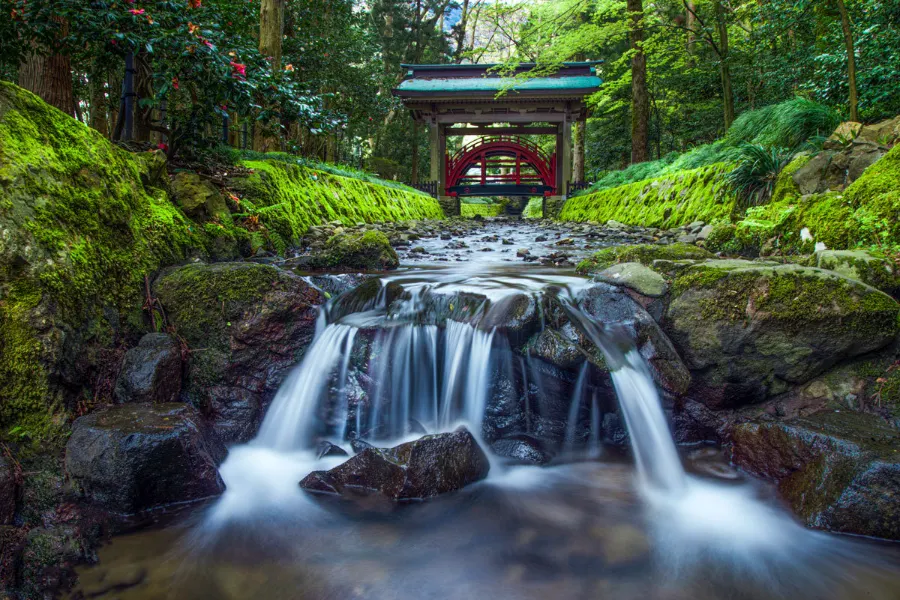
(290, 421)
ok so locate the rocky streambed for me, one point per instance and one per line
(770, 372)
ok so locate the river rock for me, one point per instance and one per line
(197, 196)
(838, 470)
(749, 332)
(880, 272)
(246, 325)
(427, 467)
(369, 251)
(138, 456)
(641, 253)
(151, 372)
(637, 277)
(9, 491)
(523, 448)
(611, 306)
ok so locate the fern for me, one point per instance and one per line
(757, 170)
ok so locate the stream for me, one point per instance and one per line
(436, 345)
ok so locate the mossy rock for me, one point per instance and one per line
(880, 272)
(839, 470)
(863, 214)
(198, 197)
(641, 253)
(750, 331)
(369, 251)
(246, 324)
(637, 277)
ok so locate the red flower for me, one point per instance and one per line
(163, 146)
(208, 43)
(136, 11)
(194, 3)
(238, 69)
(175, 82)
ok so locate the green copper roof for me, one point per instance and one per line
(584, 84)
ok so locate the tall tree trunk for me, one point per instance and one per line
(461, 33)
(578, 152)
(851, 60)
(724, 66)
(414, 178)
(690, 22)
(271, 33)
(49, 76)
(99, 106)
(640, 99)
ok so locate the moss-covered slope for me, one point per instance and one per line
(80, 226)
(866, 213)
(669, 201)
(289, 199)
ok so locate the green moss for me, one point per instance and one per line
(794, 296)
(534, 209)
(484, 210)
(642, 253)
(80, 231)
(864, 214)
(785, 188)
(289, 199)
(721, 237)
(669, 201)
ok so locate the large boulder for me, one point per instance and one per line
(839, 470)
(368, 251)
(151, 372)
(246, 324)
(138, 456)
(427, 467)
(749, 332)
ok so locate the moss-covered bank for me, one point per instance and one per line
(866, 213)
(483, 210)
(81, 223)
(288, 199)
(669, 201)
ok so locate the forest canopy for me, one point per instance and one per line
(313, 77)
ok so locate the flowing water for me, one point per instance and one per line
(430, 348)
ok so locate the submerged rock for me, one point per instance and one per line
(427, 467)
(749, 332)
(138, 456)
(523, 448)
(246, 324)
(151, 372)
(838, 470)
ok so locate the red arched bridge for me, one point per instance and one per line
(502, 165)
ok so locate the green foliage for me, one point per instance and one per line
(642, 253)
(786, 125)
(534, 209)
(485, 210)
(756, 172)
